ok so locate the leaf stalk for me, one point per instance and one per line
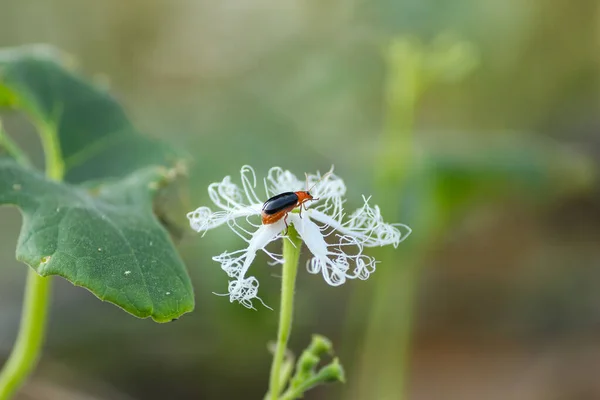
(32, 330)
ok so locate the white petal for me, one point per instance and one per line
(265, 234)
(226, 194)
(229, 196)
(249, 184)
(310, 234)
(203, 219)
(366, 225)
(333, 270)
(236, 264)
(361, 265)
(279, 180)
(326, 186)
(243, 291)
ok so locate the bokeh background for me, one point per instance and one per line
(475, 122)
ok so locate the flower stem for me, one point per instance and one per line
(32, 330)
(291, 255)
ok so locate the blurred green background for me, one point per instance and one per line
(476, 123)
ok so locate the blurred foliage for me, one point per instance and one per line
(96, 138)
(438, 183)
(497, 182)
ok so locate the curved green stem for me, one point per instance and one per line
(291, 255)
(26, 352)
(298, 392)
(12, 148)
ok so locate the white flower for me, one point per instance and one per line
(336, 240)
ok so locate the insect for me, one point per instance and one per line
(279, 206)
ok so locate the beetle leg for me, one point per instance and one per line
(306, 207)
(286, 224)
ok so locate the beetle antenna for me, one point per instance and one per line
(325, 175)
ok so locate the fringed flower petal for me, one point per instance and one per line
(335, 239)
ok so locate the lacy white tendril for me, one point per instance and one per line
(335, 239)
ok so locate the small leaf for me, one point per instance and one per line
(97, 139)
(103, 237)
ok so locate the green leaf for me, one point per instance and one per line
(103, 237)
(97, 140)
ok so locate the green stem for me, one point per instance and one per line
(285, 372)
(26, 352)
(291, 255)
(55, 165)
(12, 148)
(298, 392)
